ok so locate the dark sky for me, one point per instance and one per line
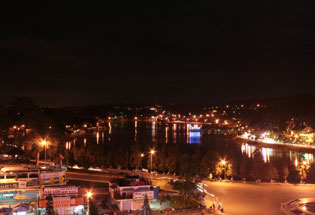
(71, 53)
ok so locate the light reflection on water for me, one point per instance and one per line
(268, 153)
(177, 133)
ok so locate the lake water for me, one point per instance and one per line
(153, 133)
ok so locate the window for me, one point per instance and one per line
(22, 175)
(33, 175)
(10, 176)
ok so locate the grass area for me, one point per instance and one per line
(178, 202)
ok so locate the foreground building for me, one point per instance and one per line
(65, 200)
(26, 188)
(130, 192)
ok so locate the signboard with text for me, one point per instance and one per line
(42, 203)
(142, 195)
(60, 190)
(77, 201)
(61, 202)
(52, 175)
(9, 185)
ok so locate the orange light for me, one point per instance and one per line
(89, 194)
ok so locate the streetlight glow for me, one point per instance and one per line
(43, 142)
(223, 162)
(142, 155)
(89, 194)
(152, 153)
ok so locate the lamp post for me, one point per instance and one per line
(142, 155)
(152, 153)
(223, 162)
(89, 195)
(44, 143)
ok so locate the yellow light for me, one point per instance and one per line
(217, 121)
(89, 194)
(85, 125)
(152, 151)
(223, 162)
(43, 142)
(142, 155)
(304, 163)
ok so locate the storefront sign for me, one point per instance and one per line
(9, 185)
(143, 195)
(42, 203)
(60, 190)
(20, 197)
(61, 202)
(77, 201)
(22, 184)
(52, 175)
(4, 196)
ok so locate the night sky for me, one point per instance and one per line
(201, 52)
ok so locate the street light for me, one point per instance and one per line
(44, 143)
(152, 153)
(223, 162)
(89, 195)
(140, 163)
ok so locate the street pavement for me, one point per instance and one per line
(256, 199)
(237, 198)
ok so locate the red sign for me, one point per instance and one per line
(77, 201)
(42, 203)
(61, 202)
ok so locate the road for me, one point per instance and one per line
(237, 198)
(87, 177)
(257, 199)
(250, 198)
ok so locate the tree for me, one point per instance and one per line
(93, 208)
(146, 210)
(311, 175)
(244, 167)
(285, 173)
(50, 206)
(256, 171)
(270, 172)
(135, 157)
(294, 175)
(303, 169)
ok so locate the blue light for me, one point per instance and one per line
(194, 137)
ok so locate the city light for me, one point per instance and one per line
(89, 194)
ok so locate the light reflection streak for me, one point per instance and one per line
(97, 137)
